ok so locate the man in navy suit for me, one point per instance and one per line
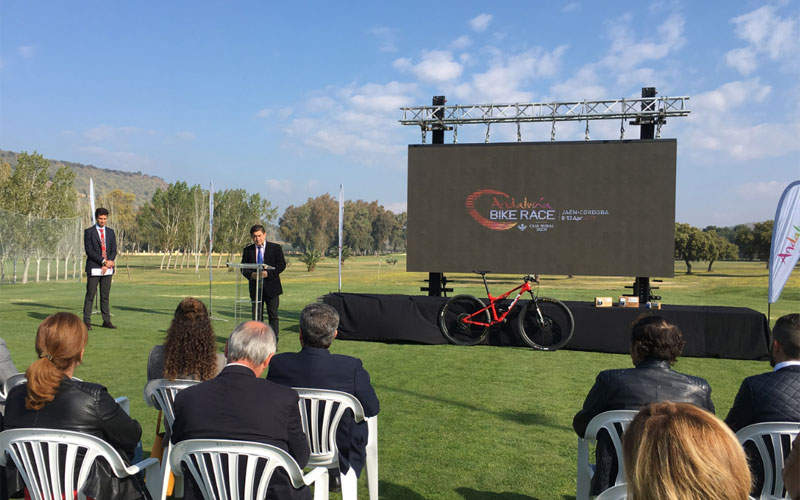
(264, 252)
(239, 405)
(315, 367)
(100, 245)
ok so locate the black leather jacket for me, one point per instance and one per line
(768, 397)
(652, 380)
(90, 409)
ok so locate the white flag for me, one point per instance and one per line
(785, 235)
(91, 197)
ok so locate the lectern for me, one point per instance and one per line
(243, 272)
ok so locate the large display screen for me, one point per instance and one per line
(604, 208)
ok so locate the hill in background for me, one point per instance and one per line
(105, 180)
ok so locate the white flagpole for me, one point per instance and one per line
(341, 222)
(91, 197)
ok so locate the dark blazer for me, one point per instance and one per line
(651, 381)
(768, 397)
(273, 256)
(238, 405)
(94, 250)
(319, 369)
(87, 408)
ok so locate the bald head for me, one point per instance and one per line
(251, 341)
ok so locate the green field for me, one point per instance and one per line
(468, 423)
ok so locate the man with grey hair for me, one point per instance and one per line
(315, 367)
(239, 405)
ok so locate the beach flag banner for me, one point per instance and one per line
(785, 235)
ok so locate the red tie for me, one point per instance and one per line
(103, 242)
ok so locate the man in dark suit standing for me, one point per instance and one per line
(239, 405)
(315, 367)
(264, 252)
(100, 245)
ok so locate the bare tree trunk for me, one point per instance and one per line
(27, 261)
(48, 268)
(161, 266)
(710, 263)
(38, 267)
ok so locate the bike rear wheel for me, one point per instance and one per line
(553, 332)
(451, 320)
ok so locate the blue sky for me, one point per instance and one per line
(293, 99)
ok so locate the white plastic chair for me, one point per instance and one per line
(618, 492)
(160, 394)
(216, 467)
(321, 411)
(10, 382)
(35, 452)
(615, 422)
(766, 436)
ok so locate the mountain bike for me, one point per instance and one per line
(544, 324)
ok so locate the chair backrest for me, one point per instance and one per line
(614, 422)
(618, 492)
(773, 440)
(233, 469)
(160, 393)
(13, 381)
(55, 463)
(321, 411)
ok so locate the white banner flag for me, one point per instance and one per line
(785, 235)
(91, 197)
(341, 223)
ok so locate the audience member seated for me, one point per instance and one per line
(791, 471)
(315, 367)
(53, 400)
(655, 345)
(773, 396)
(239, 405)
(190, 349)
(676, 451)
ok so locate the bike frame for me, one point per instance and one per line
(495, 319)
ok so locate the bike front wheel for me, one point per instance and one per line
(452, 320)
(549, 332)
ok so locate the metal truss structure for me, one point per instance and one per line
(641, 110)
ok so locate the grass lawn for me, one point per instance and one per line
(456, 422)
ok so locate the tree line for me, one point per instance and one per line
(740, 242)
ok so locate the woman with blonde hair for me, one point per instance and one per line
(190, 349)
(677, 451)
(52, 399)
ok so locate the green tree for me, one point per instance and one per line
(312, 225)
(762, 239)
(122, 210)
(744, 240)
(357, 226)
(718, 248)
(235, 212)
(690, 244)
(311, 258)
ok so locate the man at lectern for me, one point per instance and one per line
(264, 252)
(100, 244)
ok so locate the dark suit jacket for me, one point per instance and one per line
(273, 256)
(319, 369)
(238, 405)
(768, 397)
(94, 250)
(651, 381)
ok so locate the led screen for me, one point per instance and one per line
(604, 208)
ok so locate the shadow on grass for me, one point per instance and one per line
(141, 309)
(721, 275)
(518, 417)
(391, 490)
(471, 494)
(39, 316)
(36, 304)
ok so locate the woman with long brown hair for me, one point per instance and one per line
(677, 451)
(52, 399)
(190, 349)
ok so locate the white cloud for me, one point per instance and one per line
(105, 132)
(764, 190)
(461, 43)
(120, 160)
(480, 22)
(435, 66)
(571, 7)
(185, 135)
(26, 51)
(387, 38)
(627, 52)
(767, 34)
(279, 185)
(396, 207)
(264, 112)
(727, 97)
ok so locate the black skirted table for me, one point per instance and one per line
(709, 331)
